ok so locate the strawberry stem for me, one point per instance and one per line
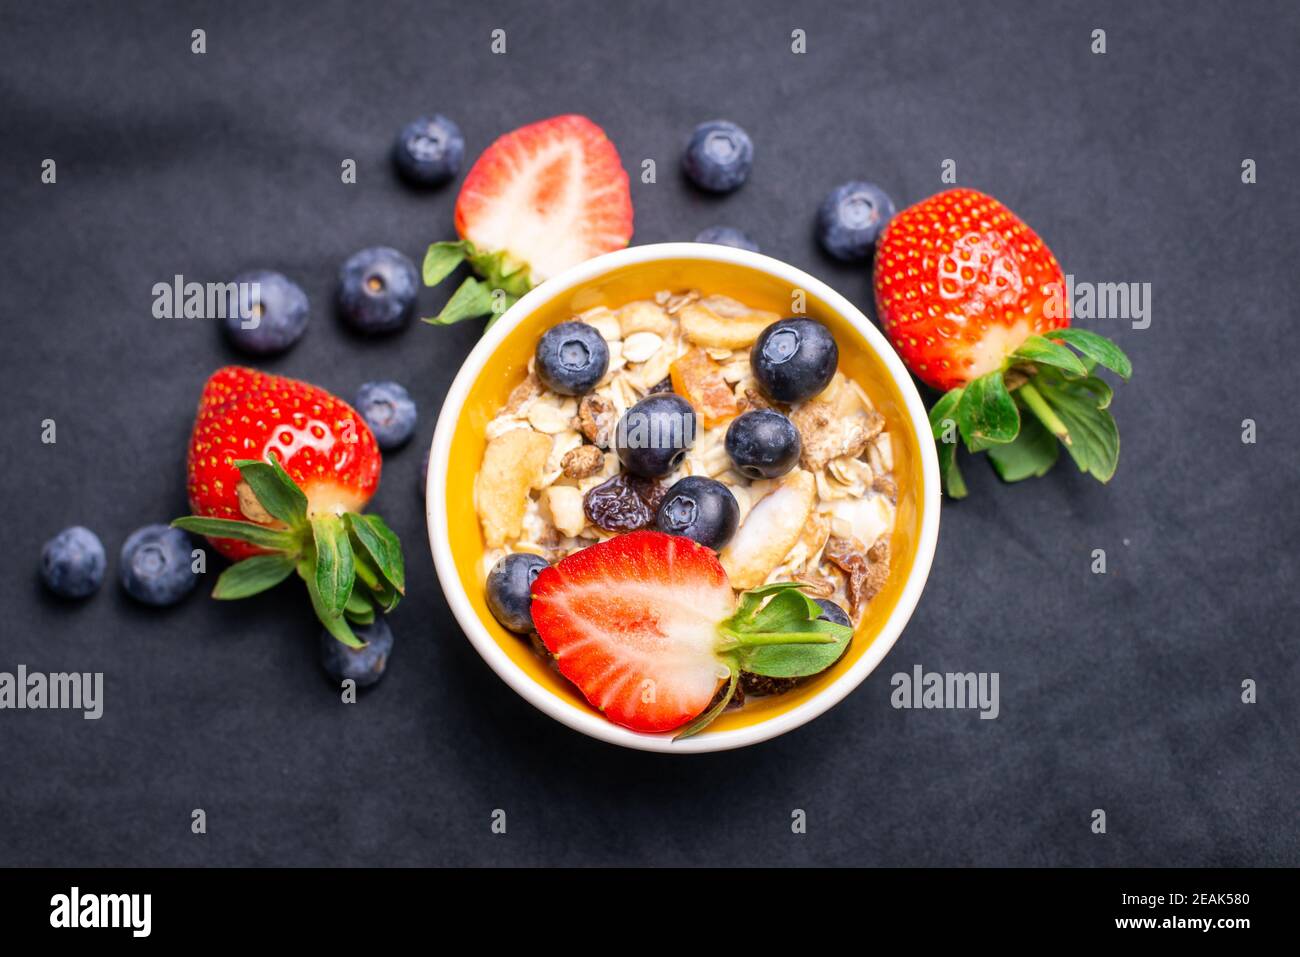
(1038, 405)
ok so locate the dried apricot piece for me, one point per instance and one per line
(698, 379)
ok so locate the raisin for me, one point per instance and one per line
(663, 385)
(652, 491)
(616, 506)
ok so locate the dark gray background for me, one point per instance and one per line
(1119, 691)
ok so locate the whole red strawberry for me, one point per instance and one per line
(975, 304)
(279, 471)
(539, 200)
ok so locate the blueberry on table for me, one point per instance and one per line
(365, 665)
(726, 236)
(73, 563)
(389, 410)
(424, 473)
(428, 151)
(702, 509)
(851, 217)
(571, 358)
(653, 436)
(763, 444)
(832, 612)
(510, 590)
(266, 313)
(156, 565)
(794, 359)
(377, 289)
(719, 156)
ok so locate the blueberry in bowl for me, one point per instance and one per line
(429, 151)
(390, 412)
(653, 436)
(266, 313)
(794, 359)
(763, 444)
(850, 218)
(509, 590)
(571, 358)
(73, 563)
(701, 509)
(718, 157)
(377, 290)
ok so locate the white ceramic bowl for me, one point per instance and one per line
(573, 712)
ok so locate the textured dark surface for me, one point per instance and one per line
(1118, 691)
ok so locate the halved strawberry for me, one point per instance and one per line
(279, 471)
(974, 302)
(539, 200)
(648, 627)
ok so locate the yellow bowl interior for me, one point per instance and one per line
(641, 281)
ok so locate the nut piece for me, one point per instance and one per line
(512, 464)
(707, 328)
(565, 505)
(865, 570)
(582, 462)
(828, 432)
(521, 395)
(644, 316)
(770, 530)
(596, 419)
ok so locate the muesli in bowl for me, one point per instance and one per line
(643, 635)
(694, 414)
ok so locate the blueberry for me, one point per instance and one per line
(73, 563)
(719, 156)
(377, 288)
(424, 473)
(266, 313)
(794, 359)
(851, 217)
(510, 590)
(702, 509)
(571, 358)
(654, 435)
(366, 665)
(832, 612)
(763, 444)
(389, 410)
(155, 565)
(429, 150)
(727, 236)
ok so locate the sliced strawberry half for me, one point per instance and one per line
(648, 628)
(550, 194)
(540, 199)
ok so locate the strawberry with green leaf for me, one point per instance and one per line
(279, 472)
(975, 303)
(648, 628)
(540, 199)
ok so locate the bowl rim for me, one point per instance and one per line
(572, 715)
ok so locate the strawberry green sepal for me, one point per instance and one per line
(351, 564)
(503, 281)
(1043, 397)
(775, 631)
